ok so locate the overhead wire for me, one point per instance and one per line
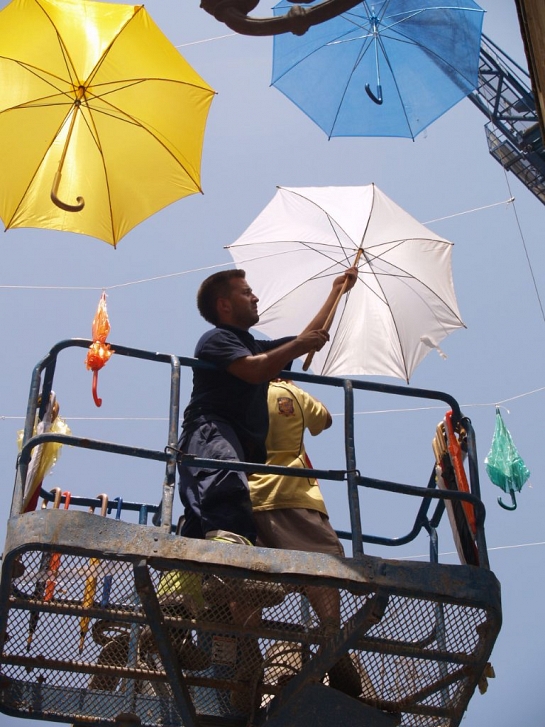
(206, 267)
(496, 403)
(489, 549)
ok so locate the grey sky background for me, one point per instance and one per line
(50, 284)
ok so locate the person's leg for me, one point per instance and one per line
(311, 531)
(326, 603)
(218, 499)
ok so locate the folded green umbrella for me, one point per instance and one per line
(504, 465)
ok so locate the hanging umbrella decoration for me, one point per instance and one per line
(43, 573)
(108, 578)
(450, 475)
(385, 68)
(44, 456)
(504, 465)
(90, 587)
(55, 561)
(101, 119)
(99, 351)
(403, 303)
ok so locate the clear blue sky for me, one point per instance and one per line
(255, 140)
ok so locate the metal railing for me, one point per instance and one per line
(42, 384)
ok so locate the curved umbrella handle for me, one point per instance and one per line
(107, 582)
(63, 205)
(96, 398)
(513, 500)
(377, 99)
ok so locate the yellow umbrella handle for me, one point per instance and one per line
(57, 180)
(91, 581)
(63, 205)
(329, 320)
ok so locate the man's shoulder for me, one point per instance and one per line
(223, 345)
(217, 334)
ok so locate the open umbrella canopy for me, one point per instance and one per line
(101, 119)
(386, 68)
(403, 303)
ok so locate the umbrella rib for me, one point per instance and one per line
(33, 176)
(359, 22)
(317, 276)
(420, 11)
(384, 299)
(128, 118)
(96, 138)
(404, 273)
(393, 320)
(34, 70)
(430, 52)
(345, 303)
(108, 48)
(310, 246)
(329, 217)
(394, 79)
(128, 82)
(403, 39)
(361, 53)
(312, 52)
(70, 67)
(279, 242)
(407, 276)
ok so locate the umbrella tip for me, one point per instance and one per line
(427, 341)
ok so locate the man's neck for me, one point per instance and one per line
(231, 324)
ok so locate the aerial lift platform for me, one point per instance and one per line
(91, 635)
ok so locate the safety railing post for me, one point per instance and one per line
(352, 474)
(30, 421)
(174, 419)
(439, 617)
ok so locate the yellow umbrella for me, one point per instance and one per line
(101, 119)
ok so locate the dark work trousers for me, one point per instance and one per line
(214, 499)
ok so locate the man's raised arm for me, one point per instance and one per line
(265, 366)
(341, 285)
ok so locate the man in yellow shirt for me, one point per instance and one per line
(290, 512)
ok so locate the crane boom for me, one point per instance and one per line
(505, 97)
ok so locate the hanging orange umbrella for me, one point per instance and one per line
(39, 588)
(99, 351)
(55, 561)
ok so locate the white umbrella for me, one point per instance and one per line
(403, 303)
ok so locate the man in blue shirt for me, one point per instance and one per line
(227, 416)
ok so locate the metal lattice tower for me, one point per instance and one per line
(513, 135)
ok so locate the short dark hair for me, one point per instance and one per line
(216, 286)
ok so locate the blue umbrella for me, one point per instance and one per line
(388, 68)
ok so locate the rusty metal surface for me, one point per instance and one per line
(76, 531)
(421, 655)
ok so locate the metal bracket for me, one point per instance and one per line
(358, 625)
(148, 597)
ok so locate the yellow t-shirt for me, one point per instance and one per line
(291, 411)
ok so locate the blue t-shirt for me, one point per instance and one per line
(218, 395)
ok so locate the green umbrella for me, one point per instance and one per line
(504, 465)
